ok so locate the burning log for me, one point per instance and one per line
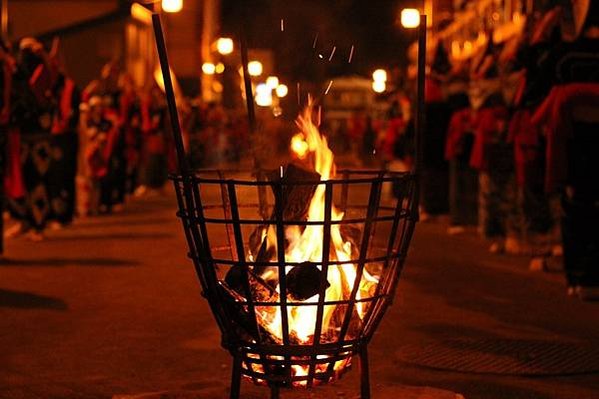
(295, 199)
(303, 281)
(294, 202)
(260, 290)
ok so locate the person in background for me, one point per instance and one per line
(130, 126)
(100, 137)
(64, 141)
(492, 155)
(34, 78)
(153, 126)
(368, 150)
(435, 170)
(463, 180)
(117, 105)
(6, 70)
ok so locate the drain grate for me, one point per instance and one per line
(505, 356)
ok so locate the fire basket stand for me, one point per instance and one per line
(288, 321)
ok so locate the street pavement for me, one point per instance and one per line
(110, 307)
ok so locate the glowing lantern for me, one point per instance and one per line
(172, 5)
(272, 82)
(379, 86)
(410, 18)
(224, 45)
(379, 75)
(263, 95)
(219, 68)
(255, 68)
(282, 90)
(208, 68)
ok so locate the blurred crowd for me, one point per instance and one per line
(69, 152)
(510, 144)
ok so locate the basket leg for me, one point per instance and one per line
(236, 378)
(364, 374)
(274, 392)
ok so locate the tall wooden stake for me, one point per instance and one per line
(249, 101)
(419, 122)
(170, 95)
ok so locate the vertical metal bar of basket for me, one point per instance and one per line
(364, 372)
(326, 246)
(226, 212)
(419, 121)
(381, 286)
(406, 236)
(235, 378)
(241, 258)
(373, 205)
(344, 191)
(280, 232)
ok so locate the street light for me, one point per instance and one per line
(172, 5)
(282, 90)
(272, 82)
(263, 95)
(410, 18)
(224, 45)
(208, 68)
(255, 68)
(379, 86)
(379, 75)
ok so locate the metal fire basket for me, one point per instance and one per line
(223, 212)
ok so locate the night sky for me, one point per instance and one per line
(371, 26)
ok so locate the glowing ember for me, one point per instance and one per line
(305, 244)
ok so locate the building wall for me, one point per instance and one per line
(32, 17)
(85, 52)
(183, 39)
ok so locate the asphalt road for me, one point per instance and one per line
(111, 306)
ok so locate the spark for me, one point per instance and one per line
(320, 56)
(281, 171)
(282, 25)
(298, 94)
(332, 53)
(328, 88)
(319, 115)
(315, 40)
(351, 55)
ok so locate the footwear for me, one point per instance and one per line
(140, 191)
(515, 246)
(55, 226)
(455, 230)
(589, 293)
(557, 250)
(15, 230)
(497, 247)
(36, 236)
(537, 264)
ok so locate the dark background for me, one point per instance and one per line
(371, 26)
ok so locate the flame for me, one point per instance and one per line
(307, 246)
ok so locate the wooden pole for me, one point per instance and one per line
(249, 101)
(4, 19)
(170, 95)
(247, 81)
(420, 120)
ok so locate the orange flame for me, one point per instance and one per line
(307, 246)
